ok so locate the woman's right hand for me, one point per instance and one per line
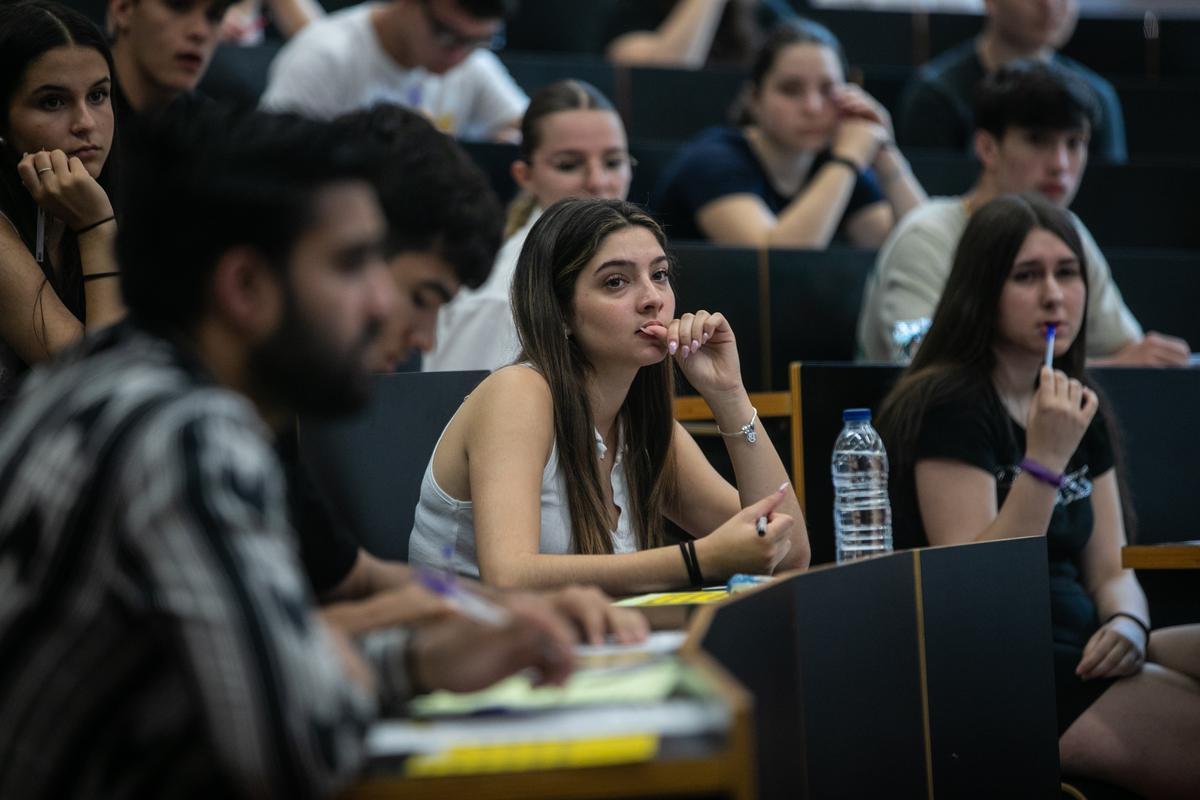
(736, 546)
(63, 188)
(863, 127)
(1059, 415)
(859, 140)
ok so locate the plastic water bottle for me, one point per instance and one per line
(862, 515)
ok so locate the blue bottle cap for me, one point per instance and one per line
(856, 415)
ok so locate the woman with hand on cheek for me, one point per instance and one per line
(811, 161)
(989, 442)
(563, 468)
(57, 270)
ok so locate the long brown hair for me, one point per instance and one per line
(560, 245)
(955, 361)
(566, 95)
(784, 34)
(28, 30)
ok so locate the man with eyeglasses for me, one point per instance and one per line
(431, 55)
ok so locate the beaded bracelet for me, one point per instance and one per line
(746, 431)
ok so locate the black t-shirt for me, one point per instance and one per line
(720, 162)
(978, 431)
(327, 548)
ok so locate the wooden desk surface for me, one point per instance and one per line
(1176, 555)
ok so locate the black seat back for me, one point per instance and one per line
(1155, 411)
(1161, 288)
(370, 466)
(815, 297)
(725, 279)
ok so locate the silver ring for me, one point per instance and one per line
(45, 169)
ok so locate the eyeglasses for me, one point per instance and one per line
(447, 37)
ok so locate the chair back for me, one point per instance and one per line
(495, 159)
(370, 466)
(1161, 289)
(1155, 411)
(726, 279)
(814, 300)
(655, 111)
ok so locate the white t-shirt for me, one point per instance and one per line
(336, 65)
(475, 330)
(915, 262)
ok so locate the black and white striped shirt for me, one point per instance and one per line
(156, 633)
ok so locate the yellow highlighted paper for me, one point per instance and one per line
(675, 598)
(530, 756)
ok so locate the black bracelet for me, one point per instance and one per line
(849, 162)
(87, 228)
(1145, 628)
(688, 548)
(95, 276)
(687, 562)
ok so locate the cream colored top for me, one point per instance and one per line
(915, 261)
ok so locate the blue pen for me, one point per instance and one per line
(1050, 346)
(466, 602)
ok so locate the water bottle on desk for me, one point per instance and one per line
(862, 515)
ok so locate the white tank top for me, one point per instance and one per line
(442, 521)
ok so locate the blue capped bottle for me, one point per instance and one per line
(862, 514)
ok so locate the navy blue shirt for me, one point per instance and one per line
(937, 108)
(720, 162)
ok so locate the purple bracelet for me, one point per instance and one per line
(1042, 473)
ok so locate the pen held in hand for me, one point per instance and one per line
(466, 602)
(1050, 346)
(761, 526)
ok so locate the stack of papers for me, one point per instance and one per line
(613, 709)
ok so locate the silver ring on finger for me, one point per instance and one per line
(45, 169)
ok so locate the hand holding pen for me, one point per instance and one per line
(463, 600)
(460, 654)
(487, 641)
(754, 540)
(1059, 415)
(580, 612)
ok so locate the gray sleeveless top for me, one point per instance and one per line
(444, 523)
